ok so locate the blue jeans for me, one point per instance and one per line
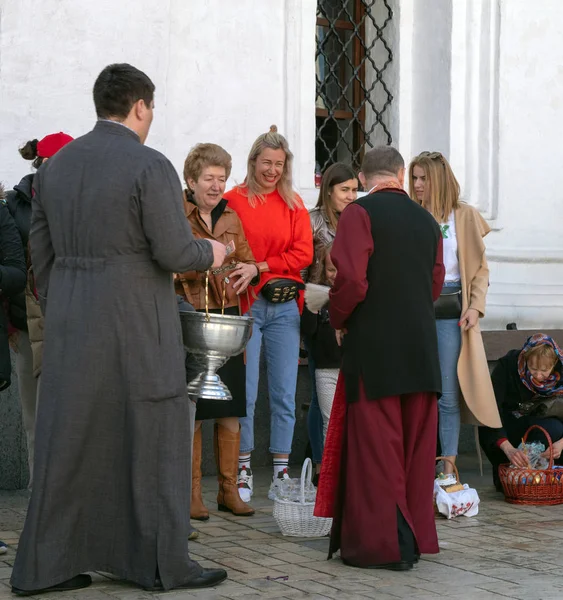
(449, 346)
(277, 327)
(314, 417)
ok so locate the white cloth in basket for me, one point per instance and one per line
(465, 502)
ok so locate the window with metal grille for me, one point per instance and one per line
(353, 97)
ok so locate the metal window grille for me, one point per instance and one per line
(353, 96)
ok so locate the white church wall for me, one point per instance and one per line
(526, 252)
(224, 72)
(480, 81)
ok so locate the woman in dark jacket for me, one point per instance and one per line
(526, 382)
(18, 201)
(324, 348)
(12, 281)
(339, 187)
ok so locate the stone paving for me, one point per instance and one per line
(505, 552)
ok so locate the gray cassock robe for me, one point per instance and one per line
(113, 441)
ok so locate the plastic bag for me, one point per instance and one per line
(534, 450)
(463, 503)
(290, 489)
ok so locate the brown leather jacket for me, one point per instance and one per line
(323, 235)
(226, 228)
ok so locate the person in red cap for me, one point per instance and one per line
(51, 144)
(19, 205)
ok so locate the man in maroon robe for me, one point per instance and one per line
(378, 466)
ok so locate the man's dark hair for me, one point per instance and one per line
(382, 160)
(117, 89)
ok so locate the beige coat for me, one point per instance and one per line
(35, 324)
(478, 404)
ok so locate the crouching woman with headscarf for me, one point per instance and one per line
(529, 391)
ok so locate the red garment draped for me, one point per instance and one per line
(332, 454)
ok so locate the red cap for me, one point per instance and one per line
(52, 143)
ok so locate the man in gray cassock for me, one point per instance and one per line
(112, 452)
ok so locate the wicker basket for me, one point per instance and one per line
(296, 518)
(436, 511)
(532, 486)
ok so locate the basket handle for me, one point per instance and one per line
(547, 437)
(306, 474)
(451, 463)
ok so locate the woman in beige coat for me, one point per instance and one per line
(466, 385)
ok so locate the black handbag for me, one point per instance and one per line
(550, 407)
(279, 291)
(448, 305)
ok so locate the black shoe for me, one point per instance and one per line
(401, 565)
(76, 583)
(208, 578)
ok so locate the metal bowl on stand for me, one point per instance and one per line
(212, 339)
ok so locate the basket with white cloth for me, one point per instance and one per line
(294, 503)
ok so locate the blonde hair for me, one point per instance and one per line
(544, 351)
(442, 188)
(275, 141)
(206, 155)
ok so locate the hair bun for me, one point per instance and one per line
(273, 128)
(29, 150)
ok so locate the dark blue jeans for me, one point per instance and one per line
(314, 417)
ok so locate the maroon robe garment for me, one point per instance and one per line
(381, 452)
(388, 463)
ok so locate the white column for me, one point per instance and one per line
(300, 92)
(474, 147)
(405, 99)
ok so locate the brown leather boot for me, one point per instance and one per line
(197, 508)
(226, 445)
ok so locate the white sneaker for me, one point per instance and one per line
(245, 484)
(272, 493)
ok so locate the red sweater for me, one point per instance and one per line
(277, 235)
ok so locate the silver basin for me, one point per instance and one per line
(213, 339)
(220, 335)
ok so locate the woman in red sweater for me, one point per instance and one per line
(278, 230)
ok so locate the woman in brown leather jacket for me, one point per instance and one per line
(206, 171)
(339, 187)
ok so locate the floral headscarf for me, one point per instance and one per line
(553, 385)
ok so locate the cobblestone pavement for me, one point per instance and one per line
(505, 552)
